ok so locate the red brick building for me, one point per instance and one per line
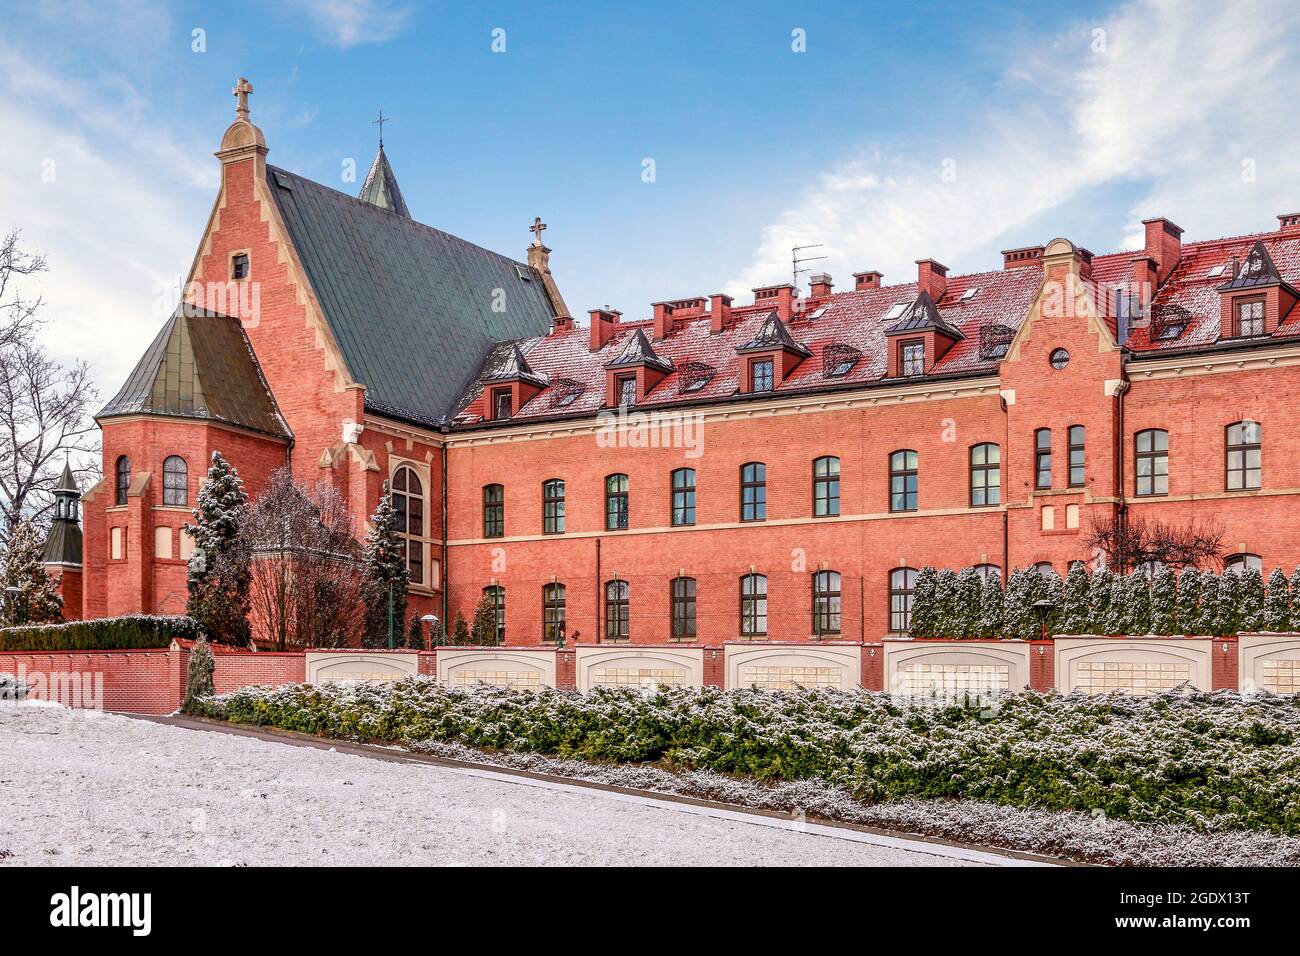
(710, 471)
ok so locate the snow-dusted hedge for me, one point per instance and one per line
(102, 634)
(1214, 762)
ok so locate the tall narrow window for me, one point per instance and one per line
(753, 605)
(616, 502)
(497, 595)
(1043, 458)
(239, 265)
(617, 602)
(826, 487)
(683, 497)
(553, 608)
(985, 475)
(501, 404)
(683, 600)
(761, 374)
(407, 498)
(176, 481)
(123, 479)
(753, 491)
(826, 602)
(553, 506)
(1250, 318)
(627, 390)
(902, 581)
(494, 511)
(912, 358)
(902, 481)
(1151, 462)
(1076, 452)
(1244, 449)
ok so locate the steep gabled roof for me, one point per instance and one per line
(200, 365)
(773, 334)
(506, 363)
(639, 351)
(923, 316)
(414, 309)
(1257, 272)
(380, 188)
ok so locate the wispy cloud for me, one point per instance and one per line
(1178, 101)
(349, 23)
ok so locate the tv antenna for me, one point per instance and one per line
(797, 261)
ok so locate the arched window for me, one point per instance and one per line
(1043, 458)
(902, 582)
(176, 481)
(1076, 449)
(985, 475)
(616, 503)
(617, 604)
(494, 511)
(986, 571)
(753, 491)
(497, 595)
(826, 602)
(902, 480)
(826, 487)
(683, 600)
(1151, 462)
(407, 496)
(553, 506)
(1243, 449)
(123, 479)
(753, 605)
(1240, 563)
(683, 497)
(553, 609)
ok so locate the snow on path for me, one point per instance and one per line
(87, 788)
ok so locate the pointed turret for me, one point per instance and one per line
(63, 543)
(381, 189)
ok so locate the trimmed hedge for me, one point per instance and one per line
(1215, 762)
(103, 634)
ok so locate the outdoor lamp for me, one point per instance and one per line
(1043, 609)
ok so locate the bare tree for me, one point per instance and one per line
(1130, 542)
(45, 408)
(306, 567)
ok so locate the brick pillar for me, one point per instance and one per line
(1223, 669)
(715, 667)
(1042, 665)
(873, 666)
(566, 669)
(426, 663)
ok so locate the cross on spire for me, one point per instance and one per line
(380, 123)
(240, 92)
(536, 229)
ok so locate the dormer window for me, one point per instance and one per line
(501, 404)
(896, 311)
(239, 265)
(761, 375)
(627, 390)
(911, 357)
(1249, 318)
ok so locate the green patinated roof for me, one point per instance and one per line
(414, 309)
(380, 188)
(63, 543)
(200, 365)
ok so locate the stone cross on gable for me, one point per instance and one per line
(536, 229)
(241, 91)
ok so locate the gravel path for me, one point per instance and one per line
(87, 788)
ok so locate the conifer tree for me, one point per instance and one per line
(1295, 599)
(485, 631)
(1100, 592)
(1076, 608)
(1026, 586)
(1251, 616)
(385, 578)
(967, 612)
(945, 586)
(1164, 602)
(460, 631)
(415, 633)
(437, 634)
(1189, 597)
(990, 622)
(1207, 617)
(1228, 604)
(1137, 594)
(37, 599)
(219, 574)
(925, 618)
(199, 681)
(1277, 603)
(1117, 620)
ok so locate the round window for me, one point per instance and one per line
(1060, 358)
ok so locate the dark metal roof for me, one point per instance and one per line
(414, 309)
(200, 365)
(63, 543)
(923, 316)
(506, 363)
(380, 188)
(1257, 272)
(639, 351)
(774, 335)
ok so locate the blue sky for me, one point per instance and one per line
(902, 131)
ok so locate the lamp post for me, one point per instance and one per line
(1043, 609)
(12, 593)
(428, 621)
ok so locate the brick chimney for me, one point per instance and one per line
(1142, 278)
(563, 323)
(719, 312)
(663, 319)
(1164, 244)
(779, 297)
(1289, 222)
(820, 285)
(1025, 256)
(931, 277)
(867, 280)
(603, 323)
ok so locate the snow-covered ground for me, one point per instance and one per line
(87, 788)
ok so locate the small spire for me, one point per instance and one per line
(380, 188)
(240, 92)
